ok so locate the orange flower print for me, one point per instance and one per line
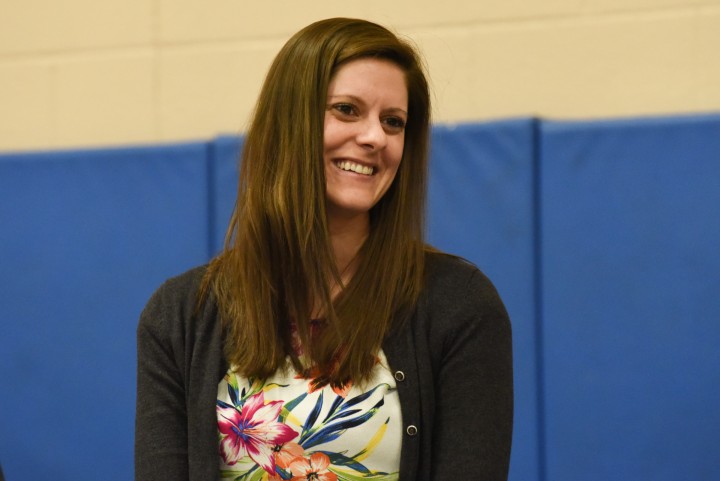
(318, 381)
(285, 453)
(313, 469)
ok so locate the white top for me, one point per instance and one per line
(289, 427)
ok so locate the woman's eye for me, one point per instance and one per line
(395, 123)
(345, 109)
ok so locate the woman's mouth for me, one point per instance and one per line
(351, 166)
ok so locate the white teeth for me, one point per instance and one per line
(353, 167)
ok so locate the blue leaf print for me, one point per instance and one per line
(339, 459)
(360, 398)
(336, 404)
(345, 414)
(223, 404)
(284, 474)
(310, 421)
(233, 394)
(333, 431)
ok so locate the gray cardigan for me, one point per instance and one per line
(452, 360)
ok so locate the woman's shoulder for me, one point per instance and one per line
(454, 284)
(439, 262)
(185, 282)
(448, 270)
(176, 298)
(180, 287)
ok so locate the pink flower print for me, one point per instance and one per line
(253, 431)
(315, 468)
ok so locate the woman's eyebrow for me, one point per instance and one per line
(354, 98)
(397, 110)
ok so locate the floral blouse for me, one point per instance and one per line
(291, 428)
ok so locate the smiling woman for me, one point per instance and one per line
(328, 341)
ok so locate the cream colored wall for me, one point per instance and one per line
(88, 72)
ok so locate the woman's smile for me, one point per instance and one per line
(353, 166)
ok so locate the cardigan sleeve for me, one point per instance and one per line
(472, 429)
(161, 439)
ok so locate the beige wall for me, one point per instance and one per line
(88, 72)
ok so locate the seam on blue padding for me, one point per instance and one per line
(537, 220)
(210, 152)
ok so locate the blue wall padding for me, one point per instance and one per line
(481, 207)
(602, 238)
(631, 280)
(85, 238)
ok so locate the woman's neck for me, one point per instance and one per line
(347, 235)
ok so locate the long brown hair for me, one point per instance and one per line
(278, 256)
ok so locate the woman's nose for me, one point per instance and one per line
(371, 134)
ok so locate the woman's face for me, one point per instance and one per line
(364, 133)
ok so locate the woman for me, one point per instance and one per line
(327, 341)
